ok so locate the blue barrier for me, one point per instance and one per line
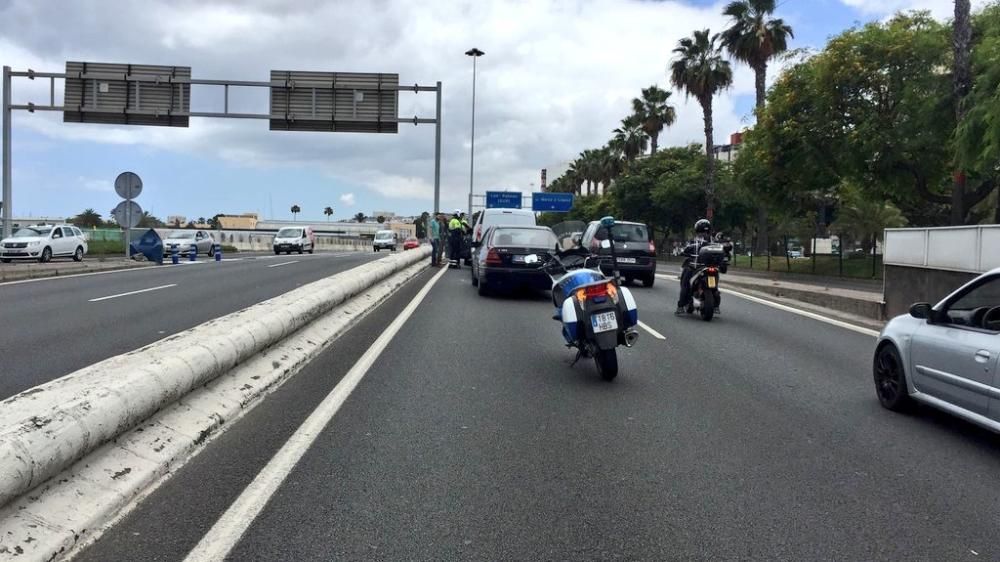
(174, 257)
(193, 253)
(218, 252)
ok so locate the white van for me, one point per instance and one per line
(384, 240)
(506, 217)
(295, 239)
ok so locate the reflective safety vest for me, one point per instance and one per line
(454, 224)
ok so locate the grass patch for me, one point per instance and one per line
(855, 267)
(105, 248)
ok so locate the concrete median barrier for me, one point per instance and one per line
(46, 429)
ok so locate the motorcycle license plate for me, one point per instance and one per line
(604, 322)
(711, 282)
(626, 260)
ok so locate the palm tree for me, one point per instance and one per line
(295, 212)
(328, 211)
(574, 177)
(866, 220)
(654, 112)
(630, 139)
(89, 218)
(754, 38)
(360, 217)
(701, 72)
(610, 166)
(589, 167)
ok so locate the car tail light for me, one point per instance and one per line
(712, 270)
(493, 257)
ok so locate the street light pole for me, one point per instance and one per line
(475, 54)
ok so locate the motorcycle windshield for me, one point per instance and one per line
(568, 233)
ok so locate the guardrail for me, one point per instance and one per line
(968, 249)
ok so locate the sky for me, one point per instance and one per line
(557, 77)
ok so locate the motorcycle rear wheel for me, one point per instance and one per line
(607, 363)
(708, 306)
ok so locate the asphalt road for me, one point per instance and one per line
(754, 437)
(52, 327)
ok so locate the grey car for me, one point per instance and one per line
(945, 355)
(185, 238)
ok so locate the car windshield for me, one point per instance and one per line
(524, 238)
(625, 233)
(32, 232)
(383, 236)
(182, 235)
(290, 233)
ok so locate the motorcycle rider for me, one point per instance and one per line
(456, 232)
(702, 237)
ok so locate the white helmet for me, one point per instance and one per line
(457, 212)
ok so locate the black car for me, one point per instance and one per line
(636, 252)
(498, 261)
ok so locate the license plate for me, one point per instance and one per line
(711, 282)
(518, 259)
(604, 322)
(626, 260)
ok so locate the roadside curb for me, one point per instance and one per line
(46, 429)
(22, 272)
(867, 309)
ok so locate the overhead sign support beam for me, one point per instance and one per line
(130, 94)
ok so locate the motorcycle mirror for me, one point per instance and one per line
(608, 221)
(605, 244)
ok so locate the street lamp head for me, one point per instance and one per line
(474, 52)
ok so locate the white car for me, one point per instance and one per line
(945, 355)
(384, 240)
(501, 217)
(44, 242)
(184, 239)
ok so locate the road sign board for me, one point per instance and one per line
(503, 199)
(127, 94)
(552, 202)
(351, 102)
(127, 214)
(128, 185)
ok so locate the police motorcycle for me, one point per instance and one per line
(597, 314)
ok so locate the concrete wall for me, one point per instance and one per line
(906, 285)
(258, 241)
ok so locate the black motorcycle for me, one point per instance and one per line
(712, 260)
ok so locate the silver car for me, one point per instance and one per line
(184, 239)
(945, 355)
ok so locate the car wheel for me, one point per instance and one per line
(890, 379)
(310, 250)
(78, 254)
(46, 256)
(649, 280)
(300, 250)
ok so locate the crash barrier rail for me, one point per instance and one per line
(44, 430)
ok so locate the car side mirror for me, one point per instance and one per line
(921, 310)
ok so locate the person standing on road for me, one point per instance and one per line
(434, 233)
(455, 233)
(443, 241)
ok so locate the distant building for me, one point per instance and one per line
(729, 152)
(246, 221)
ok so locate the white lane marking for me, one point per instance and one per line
(651, 331)
(133, 292)
(284, 263)
(807, 314)
(674, 277)
(227, 531)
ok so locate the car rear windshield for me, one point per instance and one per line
(625, 233)
(32, 232)
(524, 238)
(290, 233)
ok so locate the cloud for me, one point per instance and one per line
(347, 199)
(940, 9)
(557, 77)
(104, 186)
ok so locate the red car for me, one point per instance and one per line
(411, 243)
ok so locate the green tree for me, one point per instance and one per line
(700, 71)
(609, 166)
(89, 218)
(328, 212)
(380, 219)
(630, 138)
(360, 217)
(295, 212)
(865, 219)
(421, 225)
(150, 221)
(978, 133)
(654, 113)
(961, 74)
(214, 221)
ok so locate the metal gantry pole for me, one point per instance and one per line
(472, 148)
(7, 210)
(437, 153)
